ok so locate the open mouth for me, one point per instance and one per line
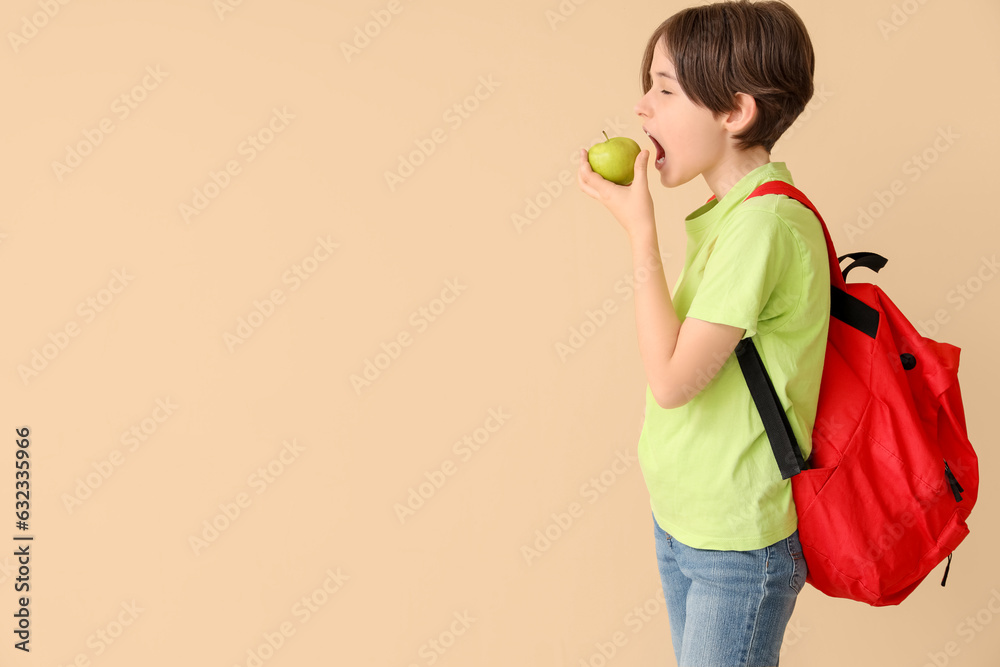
(660, 154)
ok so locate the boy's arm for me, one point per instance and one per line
(680, 358)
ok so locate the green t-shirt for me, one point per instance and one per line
(761, 265)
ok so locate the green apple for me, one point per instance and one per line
(614, 159)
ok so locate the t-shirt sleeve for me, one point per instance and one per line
(743, 273)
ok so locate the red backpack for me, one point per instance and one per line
(892, 475)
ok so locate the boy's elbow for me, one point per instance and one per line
(669, 398)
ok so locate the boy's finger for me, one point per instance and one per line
(641, 164)
(585, 184)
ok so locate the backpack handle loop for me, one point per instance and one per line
(869, 260)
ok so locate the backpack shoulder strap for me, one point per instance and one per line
(792, 192)
(781, 188)
(843, 306)
(787, 453)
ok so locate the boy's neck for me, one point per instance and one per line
(732, 168)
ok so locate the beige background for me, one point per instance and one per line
(328, 516)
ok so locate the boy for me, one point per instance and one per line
(721, 83)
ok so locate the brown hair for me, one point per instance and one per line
(761, 49)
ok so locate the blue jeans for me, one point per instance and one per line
(729, 608)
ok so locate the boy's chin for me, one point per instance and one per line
(667, 176)
(668, 180)
(671, 179)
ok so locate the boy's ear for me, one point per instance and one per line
(743, 116)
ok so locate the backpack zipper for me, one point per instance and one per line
(946, 568)
(956, 488)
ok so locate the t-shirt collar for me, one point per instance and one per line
(710, 212)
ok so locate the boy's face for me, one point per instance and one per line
(687, 138)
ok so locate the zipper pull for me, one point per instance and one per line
(956, 488)
(946, 568)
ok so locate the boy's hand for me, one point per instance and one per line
(631, 204)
